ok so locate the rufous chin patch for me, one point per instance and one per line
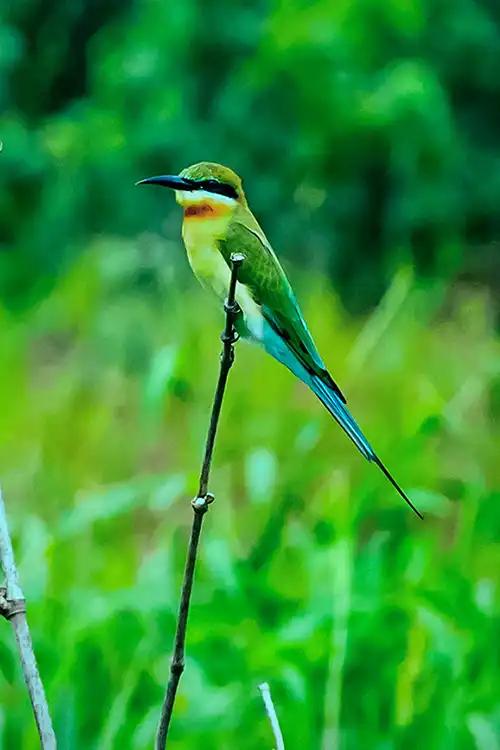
(205, 210)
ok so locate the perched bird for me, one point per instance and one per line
(219, 222)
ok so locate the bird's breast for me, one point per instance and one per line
(200, 237)
(212, 270)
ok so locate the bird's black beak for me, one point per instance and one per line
(171, 181)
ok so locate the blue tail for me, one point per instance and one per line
(339, 411)
(342, 415)
(278, 348)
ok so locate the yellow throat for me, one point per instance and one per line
(206, 220)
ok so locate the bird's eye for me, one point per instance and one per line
(214, 186)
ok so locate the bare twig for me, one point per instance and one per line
(200, 506)
(265, 691)
(13, 608)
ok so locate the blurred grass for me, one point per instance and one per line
(373, 629)
(368, 137)
(387, 112)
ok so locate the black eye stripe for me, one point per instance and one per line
(222, 188)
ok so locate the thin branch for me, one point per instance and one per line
(13, 608)
(265, 691)
(200, 506)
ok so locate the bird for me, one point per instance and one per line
(217, 223)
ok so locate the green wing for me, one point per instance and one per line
(264, 277)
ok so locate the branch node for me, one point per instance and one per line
(201, 502)
(231, 339)
(177, 667)
(231, 308)
(11, 607)
(4, 604)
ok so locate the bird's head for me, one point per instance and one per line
(204, 184)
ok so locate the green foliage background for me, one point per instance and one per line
(368, 134)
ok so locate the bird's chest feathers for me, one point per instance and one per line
(200, 238)
(200, 235)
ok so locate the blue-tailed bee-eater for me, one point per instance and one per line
(217, 223)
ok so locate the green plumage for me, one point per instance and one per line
(263, 275)
(218, 222)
